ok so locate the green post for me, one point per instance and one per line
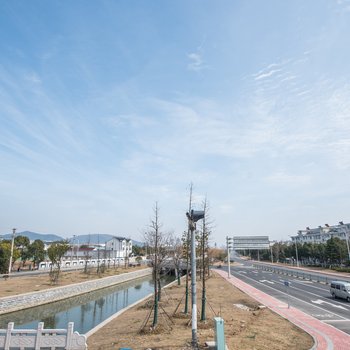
(219, 333)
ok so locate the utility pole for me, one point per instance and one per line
(193, 217)
(204, 243)
(346, 237)
(296, 252)
(12, 244)
(271, 253)
(229, 245)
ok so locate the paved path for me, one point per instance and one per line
(326, 337)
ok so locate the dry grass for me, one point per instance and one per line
(33, 283)
(253, 328)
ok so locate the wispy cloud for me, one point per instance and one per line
(283, 178)
(267, 74)
(344, 4)
(33, 78)
(196, 63)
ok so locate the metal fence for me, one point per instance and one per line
(306, 275)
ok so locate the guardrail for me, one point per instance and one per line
(296, 273)
(36, 339)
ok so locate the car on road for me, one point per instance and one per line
(340, 289)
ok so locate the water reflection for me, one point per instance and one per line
(86, 311)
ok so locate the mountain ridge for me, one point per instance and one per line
(94, 238)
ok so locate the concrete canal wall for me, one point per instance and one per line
(28, 300)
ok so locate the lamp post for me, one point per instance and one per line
(193, 217)
(341, 223)
(296, 251)
(12, 244)
(77, 250)
(271, 252)
(73, 240)
(229, 244)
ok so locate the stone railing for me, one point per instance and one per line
(28, 300)
(36, 339)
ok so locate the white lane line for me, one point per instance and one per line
(302, 282)
(267, 281)
(347, 320)
(320, 302)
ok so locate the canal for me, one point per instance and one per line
(86, 310)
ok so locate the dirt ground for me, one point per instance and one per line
(33, 283)
(247, 326)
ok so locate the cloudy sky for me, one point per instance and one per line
(109, 106)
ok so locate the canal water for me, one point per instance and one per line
(86, 311)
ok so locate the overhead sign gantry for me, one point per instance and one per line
(251, 242)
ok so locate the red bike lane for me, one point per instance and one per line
(326, 336)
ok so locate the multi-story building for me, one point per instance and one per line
(118, 247)
(322, 234)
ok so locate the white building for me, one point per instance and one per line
(118, 247)
(322, 234)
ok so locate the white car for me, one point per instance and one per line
(340, 289)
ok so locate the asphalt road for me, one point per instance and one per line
(311, 297)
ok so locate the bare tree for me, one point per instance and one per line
(157, 241)
(203, 246)
(177, 255)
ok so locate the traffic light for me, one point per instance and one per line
(229, 242)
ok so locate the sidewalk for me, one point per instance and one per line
(326, 337)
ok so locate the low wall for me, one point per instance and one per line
(28, 300)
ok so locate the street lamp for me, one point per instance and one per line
(12, 244)
(193, 217)
(341, 223)
(296, 251)
(229, 244)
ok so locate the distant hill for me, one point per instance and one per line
(78, 239)
(93, 238)
(34, 235)
(96, 238)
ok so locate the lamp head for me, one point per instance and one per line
(197, 215)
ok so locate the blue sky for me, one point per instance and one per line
(109, 106)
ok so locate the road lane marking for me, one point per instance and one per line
(302, 282)
(320, 302)
(267, 281)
